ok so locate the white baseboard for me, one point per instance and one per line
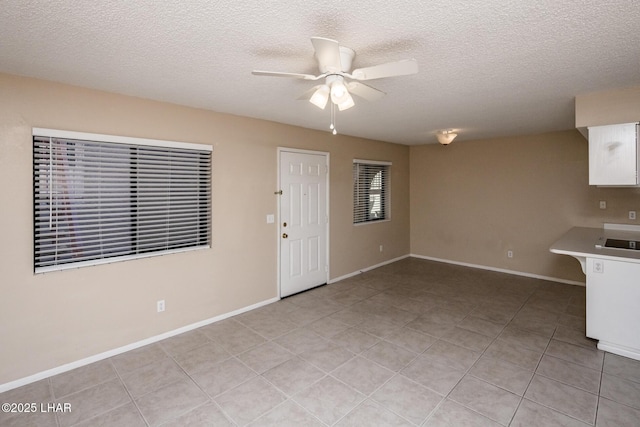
(110, 353)
(464, 264)
(355, 273)
(501, 270)
(621, 350)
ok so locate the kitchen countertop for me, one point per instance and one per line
(580, 243)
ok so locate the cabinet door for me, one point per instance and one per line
(613, 155)
(613, 304)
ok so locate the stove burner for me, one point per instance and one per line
(622, 244)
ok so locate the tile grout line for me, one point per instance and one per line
(50, 387)
(213, 398)
(117, 377)
(172, 358)
(599, 390)
(144, 419)
(524, 392)
(535, 373)
(360, 354)
(446, 397)
(521, 398)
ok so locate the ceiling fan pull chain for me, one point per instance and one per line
(333, 119)
(331, 116)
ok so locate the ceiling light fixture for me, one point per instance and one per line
(320, 97)
(347, 103)
(336, 89)
(445, 137)
(334, 65)
(339, 94)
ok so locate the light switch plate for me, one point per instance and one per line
(270, 219)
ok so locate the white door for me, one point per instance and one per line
(304, 221)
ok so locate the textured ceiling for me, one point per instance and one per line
(487, 68)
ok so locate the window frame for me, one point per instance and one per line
(359, 194)
(198, 200)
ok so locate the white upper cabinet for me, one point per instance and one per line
(614, 155)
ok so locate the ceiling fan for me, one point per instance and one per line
(334, 63)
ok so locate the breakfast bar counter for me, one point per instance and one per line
(613, 283)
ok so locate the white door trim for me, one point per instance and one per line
(279, 227)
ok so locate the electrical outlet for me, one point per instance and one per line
(603, 204)
(509, 254)
(380, 248)
(160, 306)
(598, 266)
(632, 214)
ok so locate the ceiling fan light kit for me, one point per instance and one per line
(339, 93)
(320, 97)
(445, 137)
(334, 63)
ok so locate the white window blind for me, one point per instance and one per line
(370, 191)
(100, 198)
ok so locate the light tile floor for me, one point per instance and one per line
(413, 343)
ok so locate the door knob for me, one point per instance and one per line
(285, 235)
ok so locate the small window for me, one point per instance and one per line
(101, 198)
(370, 191)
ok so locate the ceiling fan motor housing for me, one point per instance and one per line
(346, 61)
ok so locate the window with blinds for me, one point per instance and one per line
(370, 191)
(103, 198)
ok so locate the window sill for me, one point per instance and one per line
(378, 221)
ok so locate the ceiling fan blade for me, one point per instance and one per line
(327, 54)
(364, 91)
(390, 69)
(279, 74)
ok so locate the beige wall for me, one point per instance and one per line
(473, 201)
(48, 320)
(608, 107)
(469, 202)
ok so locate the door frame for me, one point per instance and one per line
(327, 156)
